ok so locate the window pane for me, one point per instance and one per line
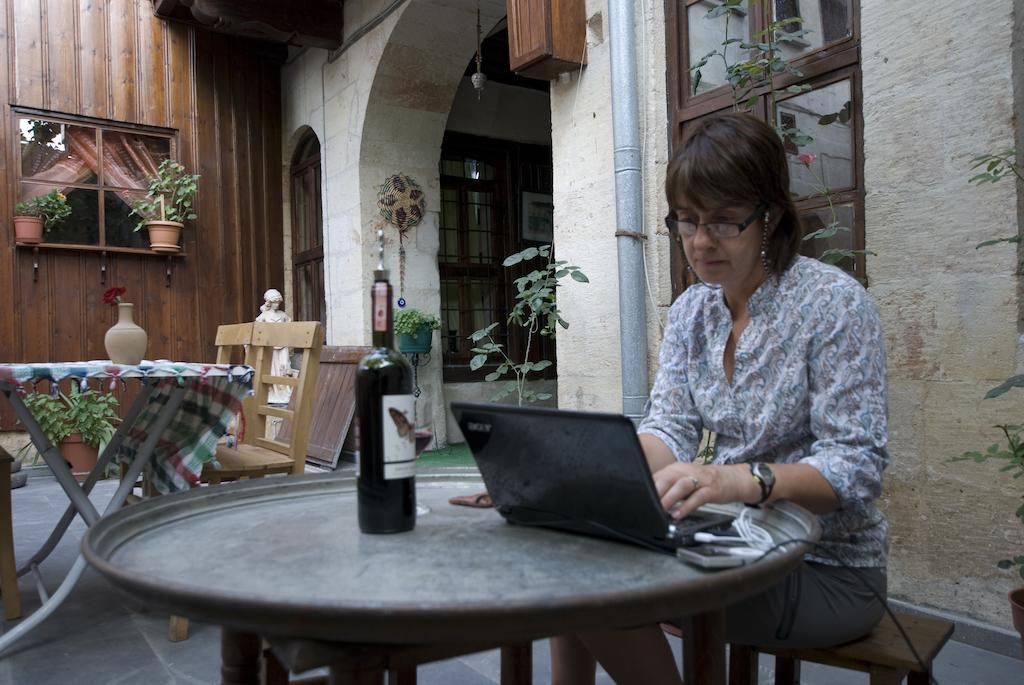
(816, 219)
(480, 225)
(452, 338)
(706, 35)
(82, 226)
(449, 226)
(129, 158)
(58, 153)
(826, 21)
(832, 146)
(120, 223)
(451, 167)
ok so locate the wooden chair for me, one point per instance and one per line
(8, 571)
(256, 455)
(883, 654)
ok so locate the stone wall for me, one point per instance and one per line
(936, 94)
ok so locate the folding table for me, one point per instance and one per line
(172, 427)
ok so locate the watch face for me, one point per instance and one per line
(765, 473)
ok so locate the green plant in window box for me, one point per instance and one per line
(169, 202)
(414, 329)
(78, 423)
(38, 215)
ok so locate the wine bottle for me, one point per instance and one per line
(386, 467)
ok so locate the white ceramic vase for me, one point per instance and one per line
(125, 341)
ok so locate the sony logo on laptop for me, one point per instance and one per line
(477, 427)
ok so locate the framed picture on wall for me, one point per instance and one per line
(538, 218)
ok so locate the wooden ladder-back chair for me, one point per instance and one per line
(256, 455)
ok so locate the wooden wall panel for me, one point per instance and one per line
(152, 74)
(9, 338)
(27, 52)
(92, 58)
(122, 36)
(61, 45)
(223, 97)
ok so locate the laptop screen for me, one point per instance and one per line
(582, 467)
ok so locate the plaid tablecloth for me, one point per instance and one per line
(213, 397)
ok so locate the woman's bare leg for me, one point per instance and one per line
(571, 661)
(638, 656)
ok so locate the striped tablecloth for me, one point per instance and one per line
(213, 399)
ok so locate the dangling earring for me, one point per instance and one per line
(764, 243)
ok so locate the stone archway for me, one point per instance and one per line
(412, 91)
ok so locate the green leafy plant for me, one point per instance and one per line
(1013, 455)
(169, 197)
(410, 321)
(89, 412)
(536, 310)
(996, 168)
(52, 208)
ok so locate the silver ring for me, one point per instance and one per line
(696, 483)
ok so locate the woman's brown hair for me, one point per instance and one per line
(735, 159)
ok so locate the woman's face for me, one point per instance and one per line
(731, 262)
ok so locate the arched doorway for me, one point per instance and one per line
(307, 232)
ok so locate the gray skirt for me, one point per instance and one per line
(815, 606)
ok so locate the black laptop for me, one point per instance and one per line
(582, 472)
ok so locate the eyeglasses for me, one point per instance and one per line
(718, 230)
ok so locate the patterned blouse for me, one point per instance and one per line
(808, 387)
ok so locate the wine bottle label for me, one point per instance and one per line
(398, 417)
(380, 307)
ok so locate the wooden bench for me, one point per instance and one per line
(883, 654)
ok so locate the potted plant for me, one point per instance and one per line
(167, 205)
(77, 423)
(415, 329)
(34, 217)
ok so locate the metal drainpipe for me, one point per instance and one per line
(628, 208)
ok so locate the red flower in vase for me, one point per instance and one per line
(112, 296)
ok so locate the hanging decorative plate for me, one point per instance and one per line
(402, 204)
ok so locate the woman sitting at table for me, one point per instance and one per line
(782, 358)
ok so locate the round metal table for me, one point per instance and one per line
(284, 557)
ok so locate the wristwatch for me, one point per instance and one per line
(765, 478)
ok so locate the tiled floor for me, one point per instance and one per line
(98, 637)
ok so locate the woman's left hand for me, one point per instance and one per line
(683, 487)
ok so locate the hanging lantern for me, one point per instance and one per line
(479, 78)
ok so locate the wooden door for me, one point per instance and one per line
(307, 233)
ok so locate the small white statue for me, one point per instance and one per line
(280, 364)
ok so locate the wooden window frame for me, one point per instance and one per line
(508, 189)
(101, 125)
(830, 63)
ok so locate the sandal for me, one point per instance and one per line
(480, 500)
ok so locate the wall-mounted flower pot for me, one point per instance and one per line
(419, 343)
(164, 236)
(28, 229)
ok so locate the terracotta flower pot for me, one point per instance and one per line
(79, 454)
(1017, 611)
(164, 236)
(28, 229)
(125, 341)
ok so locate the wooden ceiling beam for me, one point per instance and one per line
(316, 23)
